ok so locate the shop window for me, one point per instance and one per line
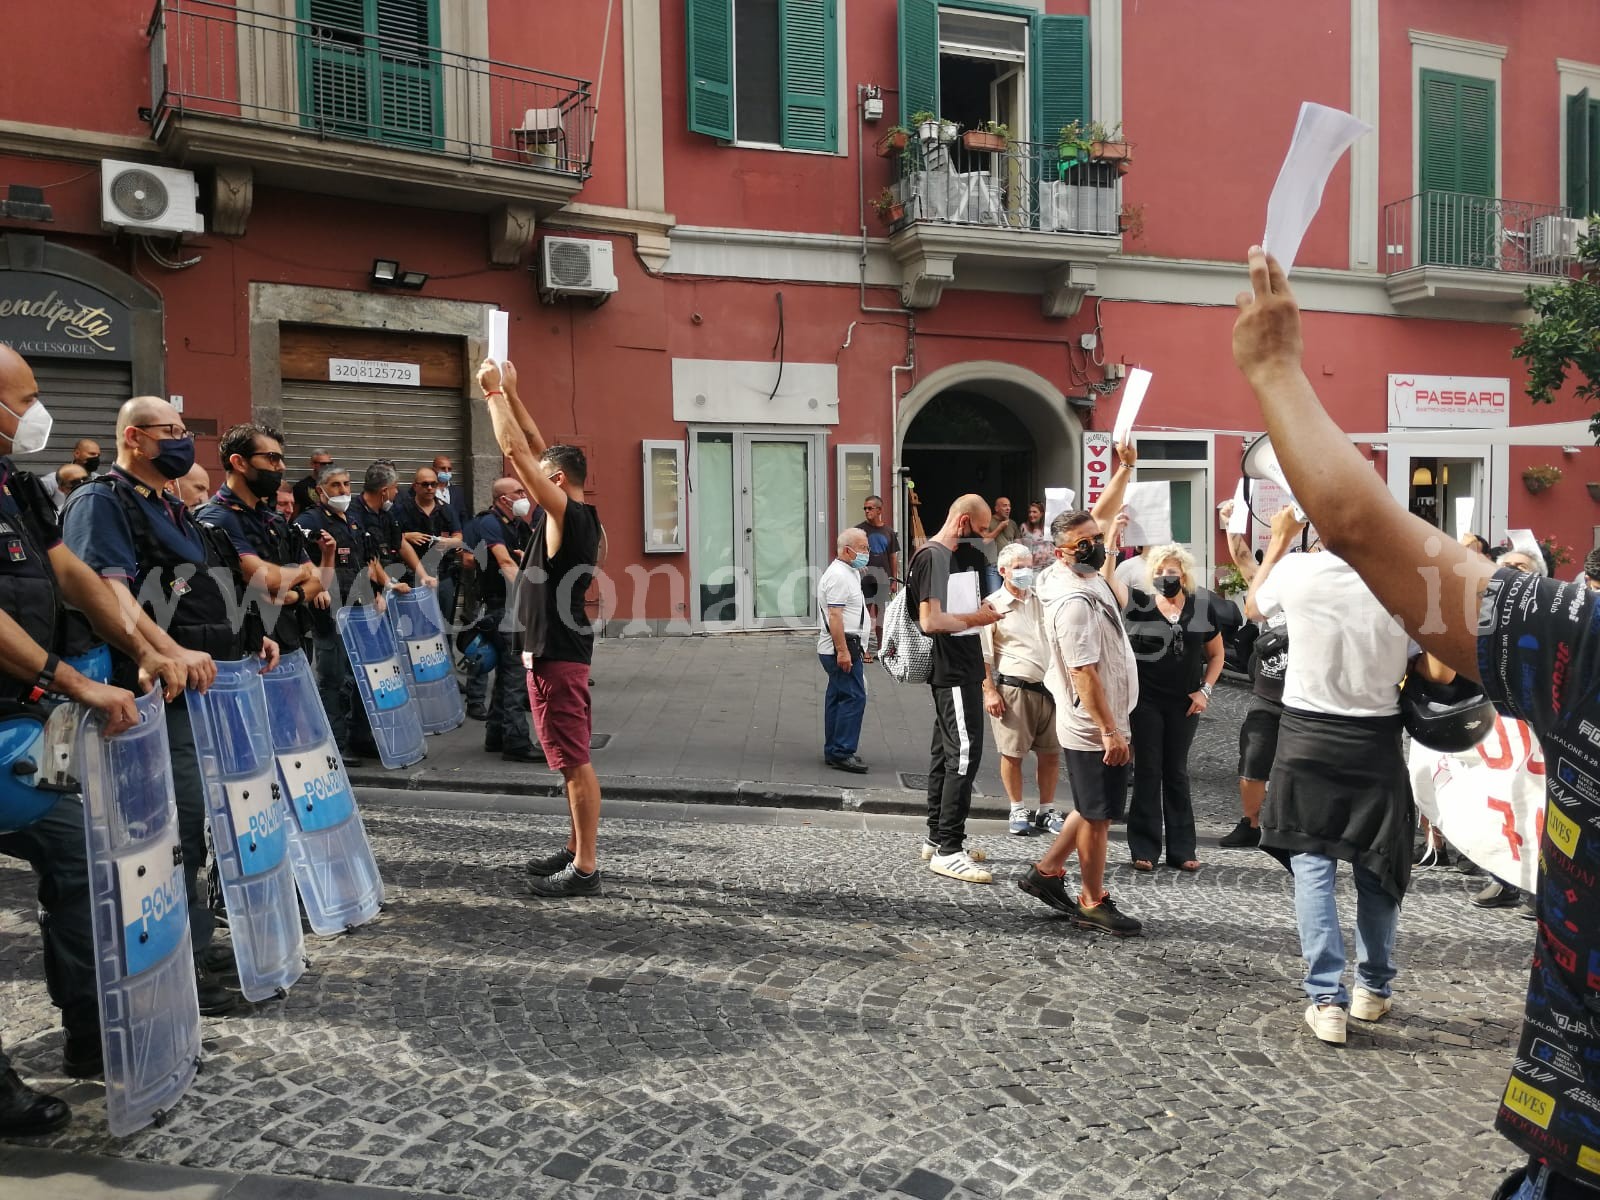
(663, 498)
(369, 69)
(1583, 154)
(765, 72)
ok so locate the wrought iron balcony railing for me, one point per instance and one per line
(219, 61)
(1024, 185)
(1479, 233)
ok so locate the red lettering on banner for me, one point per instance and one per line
(1508, 827)
(1535, 766)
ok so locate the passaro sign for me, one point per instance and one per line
(51, 316)
(1448, 402)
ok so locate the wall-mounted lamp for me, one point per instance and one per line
(1444, 475)
(386, 272)
(1422, 477)
(1569, 449)
(413, 280)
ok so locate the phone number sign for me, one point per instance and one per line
(364, 370)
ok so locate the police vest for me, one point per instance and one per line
(29, 593)
(491, 581)
(278, 543)
(350, 554)
(189, 600)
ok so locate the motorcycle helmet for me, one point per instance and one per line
(22, 800)
(1451, 718)
(479, 654)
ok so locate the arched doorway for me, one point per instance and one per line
(986, 427)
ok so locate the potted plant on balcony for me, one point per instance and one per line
(931, 128)
(894, 141)
(993, 138)
(1537, 479)
(889, 206)
(1094, 142)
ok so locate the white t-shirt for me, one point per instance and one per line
(840, 588)
(1135, 572)
(1347, 655)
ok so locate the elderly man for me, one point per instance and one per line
(1022, 713)
(62, 482)
(453, 494)
(305, 490)
(842, 615)
(283, 501)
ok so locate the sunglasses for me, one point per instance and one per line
(1098, 539)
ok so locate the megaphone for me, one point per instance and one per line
(1261, 462)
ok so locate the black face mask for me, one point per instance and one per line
(265, 484)
(1092, 555)
(1169, 585)
(92, 465)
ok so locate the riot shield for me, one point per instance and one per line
(328, 848)
(425, 648)
(380, 676)
(144, 963)
(248, 828)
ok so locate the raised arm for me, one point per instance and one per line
(1285, 531)
(1115, 496)
(1432, 583)
(522, 444)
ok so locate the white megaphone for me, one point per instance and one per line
(1261, 462)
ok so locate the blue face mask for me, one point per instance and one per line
(175, 457)
(860, 561)
(444, 478)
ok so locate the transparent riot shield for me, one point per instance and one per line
(425, 647)
(380, 675)
(249, 828)
(149, 1014)
(328, 848)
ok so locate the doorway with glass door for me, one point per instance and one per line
(757, 518)
(1447, 486)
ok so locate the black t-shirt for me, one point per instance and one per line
(305, 494)
(957, 659)
(1172, 657)
(551, 591)
(1539, 659)
(442, 522)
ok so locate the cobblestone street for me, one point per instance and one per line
(776, 1004)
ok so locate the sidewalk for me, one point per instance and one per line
(737, 719)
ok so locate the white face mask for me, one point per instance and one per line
(33, 428)
(339, 504)
(1022, 578)
(521, 508)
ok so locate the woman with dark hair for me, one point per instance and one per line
(1036, 537)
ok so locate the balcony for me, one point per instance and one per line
(1455, 246)
(1016, 218)
(339, 111)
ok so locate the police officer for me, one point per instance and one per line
(430, 527)
(375, 512)
(273, 564)
(156, 560)
(38, 573)
(499, 539)
(350, 574)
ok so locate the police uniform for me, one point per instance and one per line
(507, 728)
(264, 532)
(354, 548)
(54, 844)
(182, 576)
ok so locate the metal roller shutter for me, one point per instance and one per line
(83, 400)
(359, 424)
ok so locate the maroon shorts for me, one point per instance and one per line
(559, 693)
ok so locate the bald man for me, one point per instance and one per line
(945, 580)
(498, 538)
(193, 488)
(174, 575)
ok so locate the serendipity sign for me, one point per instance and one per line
(51, 316)
(1448, 402)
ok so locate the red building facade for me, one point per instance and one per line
(804, 310)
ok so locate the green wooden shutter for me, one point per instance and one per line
(1060, 74)
(1579, 167)
(1456, 175)
(1477, 136)
(407, 72)
(808, 74)
(919, 58)
(710, 32)
(334, 79)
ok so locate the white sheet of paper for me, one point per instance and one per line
(498, 335)
(1321, 136)
(1523, 540)
(963, 596)
(1132, 397)
(1056, 502)
(1464, 507)
(1149, 514)
(1239, 518)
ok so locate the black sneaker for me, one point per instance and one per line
(83, 1056)
(217, 958)
(1105, 918)
(1052, 889)
(1497, 895)
(25, 1112)
(566, 882)
(478, 712)
(550, 864)
(1241, 836)
(215, 999)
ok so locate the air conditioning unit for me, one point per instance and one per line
(1555, 238)
(576, 267)
(148, 199)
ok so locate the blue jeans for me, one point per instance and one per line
(1322, 939)
(843, 706)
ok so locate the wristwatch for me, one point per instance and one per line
(1206, 689)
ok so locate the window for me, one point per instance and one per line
(369, 69)
(663, 497)
(1583, 154)
(1456, 171)
(765, 71)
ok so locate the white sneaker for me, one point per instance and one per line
(1326, 1021)
(960, 866)
(973, 852)
(1369, 1006)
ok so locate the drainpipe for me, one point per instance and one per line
(861, 208)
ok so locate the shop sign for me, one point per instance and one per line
(1098, 464)
(1448, 402)
(51, 316)
(363, 370)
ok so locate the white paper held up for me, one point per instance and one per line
(1321, 136)
(1056, 502)
(498, 334)
(1464, 507)
(1149, 514)
(1132, 397)
(1523, 541)
(963, 596)
(1239, 518)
